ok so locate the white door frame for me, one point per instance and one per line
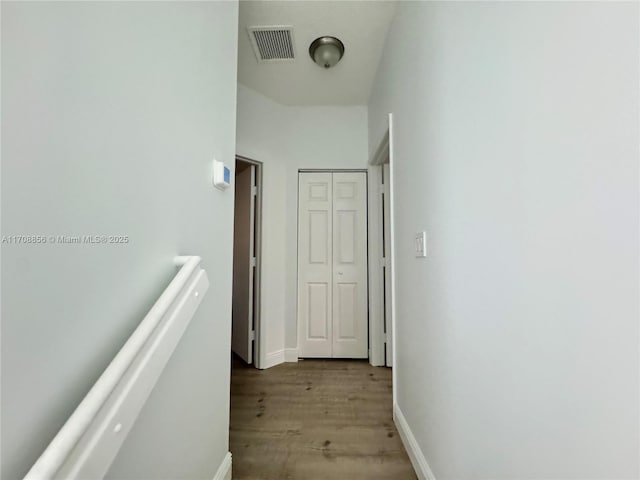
(376, 301)
(383, 153)
(260, 333)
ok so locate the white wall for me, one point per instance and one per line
(258, 122)
(287, 139)
(111, 113)
(516, 149)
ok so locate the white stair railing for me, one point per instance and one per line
(88, 442)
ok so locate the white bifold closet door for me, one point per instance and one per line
(332, 265)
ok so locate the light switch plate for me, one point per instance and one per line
(421, 244)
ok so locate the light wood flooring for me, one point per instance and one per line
(315, 420)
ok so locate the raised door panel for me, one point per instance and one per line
(318, 314)
(318, 237)
(345, 247)
(315, 253)
(350, 322)
(347, 310)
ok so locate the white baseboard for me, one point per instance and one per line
(416, 456)
(224, 471)
(280, 356)
(272, 359)
(290, 354)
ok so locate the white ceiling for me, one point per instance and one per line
(361, 25)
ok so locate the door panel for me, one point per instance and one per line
(346, 236)
(243, 269)
(318, 241)
(347, 295)
(314, 264)
(318, 302)
(332, 265)
(350, 327)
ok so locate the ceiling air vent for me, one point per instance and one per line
(272, 44)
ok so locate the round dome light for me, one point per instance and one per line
(326, 51)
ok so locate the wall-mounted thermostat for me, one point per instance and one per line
(221, 175)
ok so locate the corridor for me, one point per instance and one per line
(313, 420)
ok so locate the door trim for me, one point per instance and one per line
(376, 305)
(258, 351)
(382, 153)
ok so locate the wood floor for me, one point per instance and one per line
(315, 420)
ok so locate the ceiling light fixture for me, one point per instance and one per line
(326, 51)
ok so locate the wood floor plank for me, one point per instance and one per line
(315, 420)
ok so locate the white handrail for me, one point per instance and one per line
(63, 443)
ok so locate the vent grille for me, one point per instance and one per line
(272, 44)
